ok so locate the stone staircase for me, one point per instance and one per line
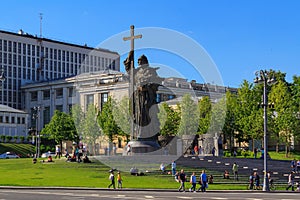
(279, 169)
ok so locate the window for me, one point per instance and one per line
(59, 93)
(34, 96)
(72, 92)
(19, 120)
(59, 108)
(46, 94)
(12, 120)
(7, 119)
(1, 119)
(28, 49)
(104, 99)
(46, 115)
(89, 100)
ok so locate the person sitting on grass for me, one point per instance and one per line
(226, 174)
(34, 160)
(86, 159)
(49, 159)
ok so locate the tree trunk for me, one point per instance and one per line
(286, 151)
(277, 146)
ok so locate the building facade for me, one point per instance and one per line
(25, 58)
(13, 122)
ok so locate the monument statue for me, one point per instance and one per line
(144, 83)
(145, 109)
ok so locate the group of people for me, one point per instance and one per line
(112, 180)
(295, 165)
(254, 181)
(203, 181)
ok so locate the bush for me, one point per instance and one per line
(2, 137)
(16, 138)
(22, 139)
(8, 138)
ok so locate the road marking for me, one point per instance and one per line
(149, 197)
(220, 198)
(185, 197)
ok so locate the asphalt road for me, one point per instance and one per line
(77, 194)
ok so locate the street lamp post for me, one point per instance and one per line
(36, 116)
(263, 76)
(2, 79)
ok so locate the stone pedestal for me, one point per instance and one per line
(210, 141)
(143, 146)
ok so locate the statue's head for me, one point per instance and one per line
(143, 60)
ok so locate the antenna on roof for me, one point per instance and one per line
(41, 19)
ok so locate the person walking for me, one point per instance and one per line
(173, 168)
(182, 179)
(213, 151)
(255, 153)
(293, 165)
(251, 181)
(235, 169)
(119, 179)
(257, 181)
(193, 181)
(112, 179)
(291, 181)
(298, 166)
(203, 181)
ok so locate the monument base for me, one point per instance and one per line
(142, 146)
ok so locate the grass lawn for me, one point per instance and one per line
(22, 172)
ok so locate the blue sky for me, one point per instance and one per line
(239, 36)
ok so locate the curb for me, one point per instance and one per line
(134, 189)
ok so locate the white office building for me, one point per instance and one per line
(25, 58)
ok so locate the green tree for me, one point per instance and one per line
(204, 106)
(295, 89)
(248, 113)
(78, 118)
(230, 126)
(122, 116)
(285, 118)
(169, 119)
(60, 128)
(189, 116)
(90, 127)
(106, 120)
(218, 114)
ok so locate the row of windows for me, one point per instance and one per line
(90, 99)
(47, 94)
(45, 112)
(13, 49)
(12, 119)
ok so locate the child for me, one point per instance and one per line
(119, 178)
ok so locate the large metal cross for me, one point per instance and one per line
(131, 83)
(132, 38)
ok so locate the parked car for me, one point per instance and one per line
(47, 154)
(8, 155)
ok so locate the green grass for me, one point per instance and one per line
(21, 149)
(22, 172)
(281, 155)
